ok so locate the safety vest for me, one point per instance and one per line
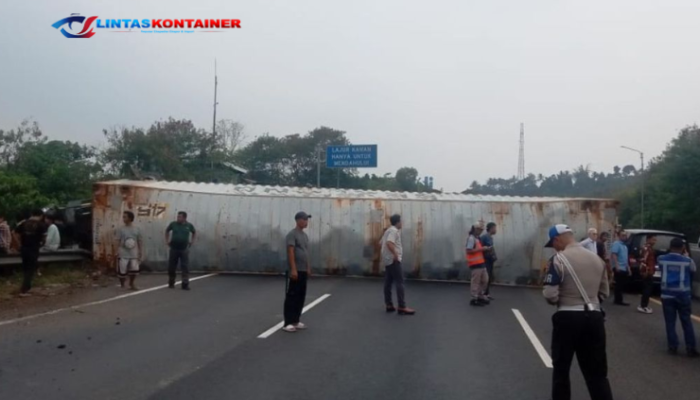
(477, 258)
(675, 275)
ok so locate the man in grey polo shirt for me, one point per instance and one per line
(297, 244)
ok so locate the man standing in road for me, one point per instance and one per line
(489, 255)
(676, 296)
(130, 250)
(477, 265)
(297, 244)
(647, 268)
(576, 281)
(589, 243)
(31, 235)
(602, 251)
(180, 236)
(392, 255)
(5, 236)
(619, 255)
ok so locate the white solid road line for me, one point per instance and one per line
(279, 326)
(94, 303)
(546, 359)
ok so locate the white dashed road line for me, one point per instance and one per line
(546, 359)
(279, 326)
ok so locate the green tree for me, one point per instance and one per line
(407, 179)
(19, 193)
(13, 140)
(172, 149)
(672, 188)
(628, 170)
(63, 171)
(293, 159)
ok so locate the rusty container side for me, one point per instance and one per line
(243, 228)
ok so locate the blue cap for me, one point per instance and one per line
(555, 231)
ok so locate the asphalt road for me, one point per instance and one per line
(171, 344)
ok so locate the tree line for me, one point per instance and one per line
(671, 186)
(36, 171)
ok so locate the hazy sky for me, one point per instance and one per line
(442, 86)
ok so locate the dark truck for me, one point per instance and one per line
(635, 243)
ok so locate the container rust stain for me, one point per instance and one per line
(100, 196)
(376, 230)
(500, 211)
(418, 249)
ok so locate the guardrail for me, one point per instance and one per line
(58, 256)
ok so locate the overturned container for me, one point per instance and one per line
(242, 227)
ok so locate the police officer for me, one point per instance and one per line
(578, 323)
(676, 271)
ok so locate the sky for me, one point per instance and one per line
(441, 86)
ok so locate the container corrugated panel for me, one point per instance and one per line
(242, 227)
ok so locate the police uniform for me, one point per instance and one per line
(578, 329)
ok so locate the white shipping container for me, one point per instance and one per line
(242, 227)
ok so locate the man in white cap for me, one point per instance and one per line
(576, 281)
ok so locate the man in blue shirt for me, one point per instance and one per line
(619, 259)
(489, 255)
(676, 296)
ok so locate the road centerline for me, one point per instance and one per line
(546, 359)
(279, 326)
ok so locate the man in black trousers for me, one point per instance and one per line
(576, 280)
(297, 243)
(31, 234)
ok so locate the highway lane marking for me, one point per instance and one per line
(279, 326)
(546, 359)
(694, 317)
(98, 302)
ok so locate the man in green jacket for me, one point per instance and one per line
(180, 236)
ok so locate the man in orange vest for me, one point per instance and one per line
(477, 266)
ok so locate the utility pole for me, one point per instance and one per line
(213, 127)
(641, 156)
(216, 82)
(521, 156)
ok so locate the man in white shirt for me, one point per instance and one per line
(53, 237)
(589, 243)
(391, 256)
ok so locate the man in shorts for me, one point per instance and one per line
(130, 250)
